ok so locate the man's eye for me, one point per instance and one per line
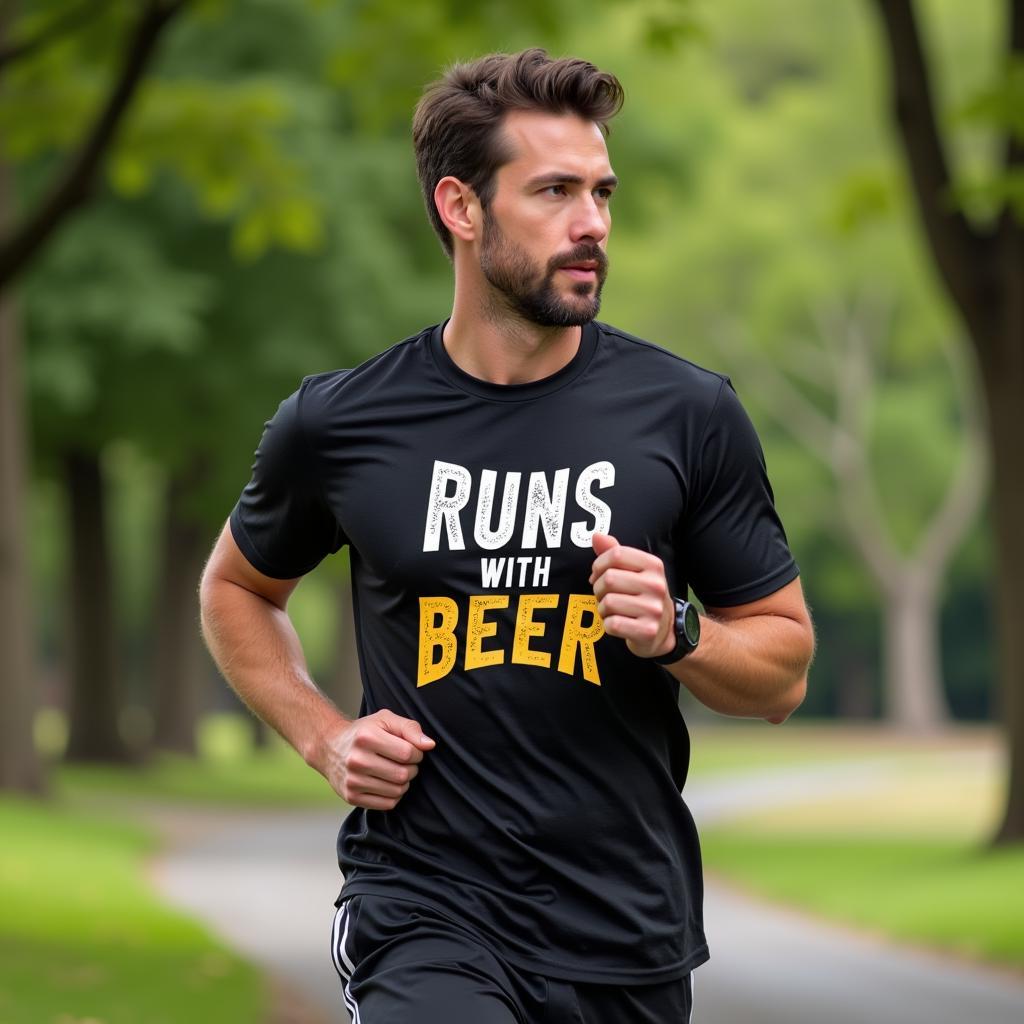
(604, 193)
(558, 189)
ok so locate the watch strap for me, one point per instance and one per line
(683, 646)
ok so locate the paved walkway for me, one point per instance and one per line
(266, 884)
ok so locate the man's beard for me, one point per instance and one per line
(512, 273)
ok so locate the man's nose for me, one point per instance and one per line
(590, 222)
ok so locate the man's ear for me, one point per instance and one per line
(458, 208)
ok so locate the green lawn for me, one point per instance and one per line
(724, 746)
(82, 938)
(939, 893)
(907, 857)
(228, 771)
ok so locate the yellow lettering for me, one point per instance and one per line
(434, 634)
(477, 629)
(526, 627)
(584, 637)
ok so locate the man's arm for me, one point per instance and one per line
(370, 761)
(752, 659)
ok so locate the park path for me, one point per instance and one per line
(265, 882)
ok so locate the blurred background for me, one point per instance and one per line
(201, 201)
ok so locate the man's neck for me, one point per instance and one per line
(503, 348)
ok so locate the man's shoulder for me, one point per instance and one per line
(320, 392)
(656, 359)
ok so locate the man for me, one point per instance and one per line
(526, 494)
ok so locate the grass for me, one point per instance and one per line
(722, 746)
(84, 941)
(228, 771)
(940, 893)
(906, 857)
(81, 938)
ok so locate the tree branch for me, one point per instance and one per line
(855, 384)
(970, 481)
(807, 362)
(960, 253)
(74, 185)
(1014, 145)
(66, 21)
(838, 444)
(802, 418)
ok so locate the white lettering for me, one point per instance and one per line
(544, 509)
(446, 507)
(490, 571)
(541, 571)
(486, 537)
(603, 474)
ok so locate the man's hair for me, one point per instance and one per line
(457, 124)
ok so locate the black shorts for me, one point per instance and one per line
(403, 963)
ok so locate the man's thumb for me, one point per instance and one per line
(602, 542)
(411, 731)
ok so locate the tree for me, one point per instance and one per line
(979, 257)
(779, 208)
(846, 367)
(20, 241)
(20, 768)
(228, 316)
(221, 139)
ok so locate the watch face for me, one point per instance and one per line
(691, 624)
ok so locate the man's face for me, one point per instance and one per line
(546, 229)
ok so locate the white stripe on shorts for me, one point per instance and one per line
(342, 961)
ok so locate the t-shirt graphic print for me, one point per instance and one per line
(548, 820)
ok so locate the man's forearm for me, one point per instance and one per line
(258, 651)
(751, 667)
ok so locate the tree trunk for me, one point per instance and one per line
(1006, 416)
(346, 685)
(914, 695)
(855, 697)
(983, 271)
(260, 733)
(179, 674)
(20, 766)
(93, 733)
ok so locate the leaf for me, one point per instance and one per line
(250, 236)
(999, 104)
(129, 175)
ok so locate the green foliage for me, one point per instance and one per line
(1001, 103)
(222, 138)
(261, 219)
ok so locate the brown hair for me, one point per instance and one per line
(456, 126)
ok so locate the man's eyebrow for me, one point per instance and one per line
(560, 178)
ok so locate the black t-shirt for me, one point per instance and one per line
(548, 819)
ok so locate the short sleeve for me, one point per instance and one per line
(281, 522)
(731, 545)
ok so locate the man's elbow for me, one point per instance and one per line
(788, 702)
(210, 588)
(794, 694)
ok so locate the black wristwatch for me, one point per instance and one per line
(687, 627)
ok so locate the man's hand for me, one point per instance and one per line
(632, 596)
(371, 761)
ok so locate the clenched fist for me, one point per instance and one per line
(371, 761)
(632, 596)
